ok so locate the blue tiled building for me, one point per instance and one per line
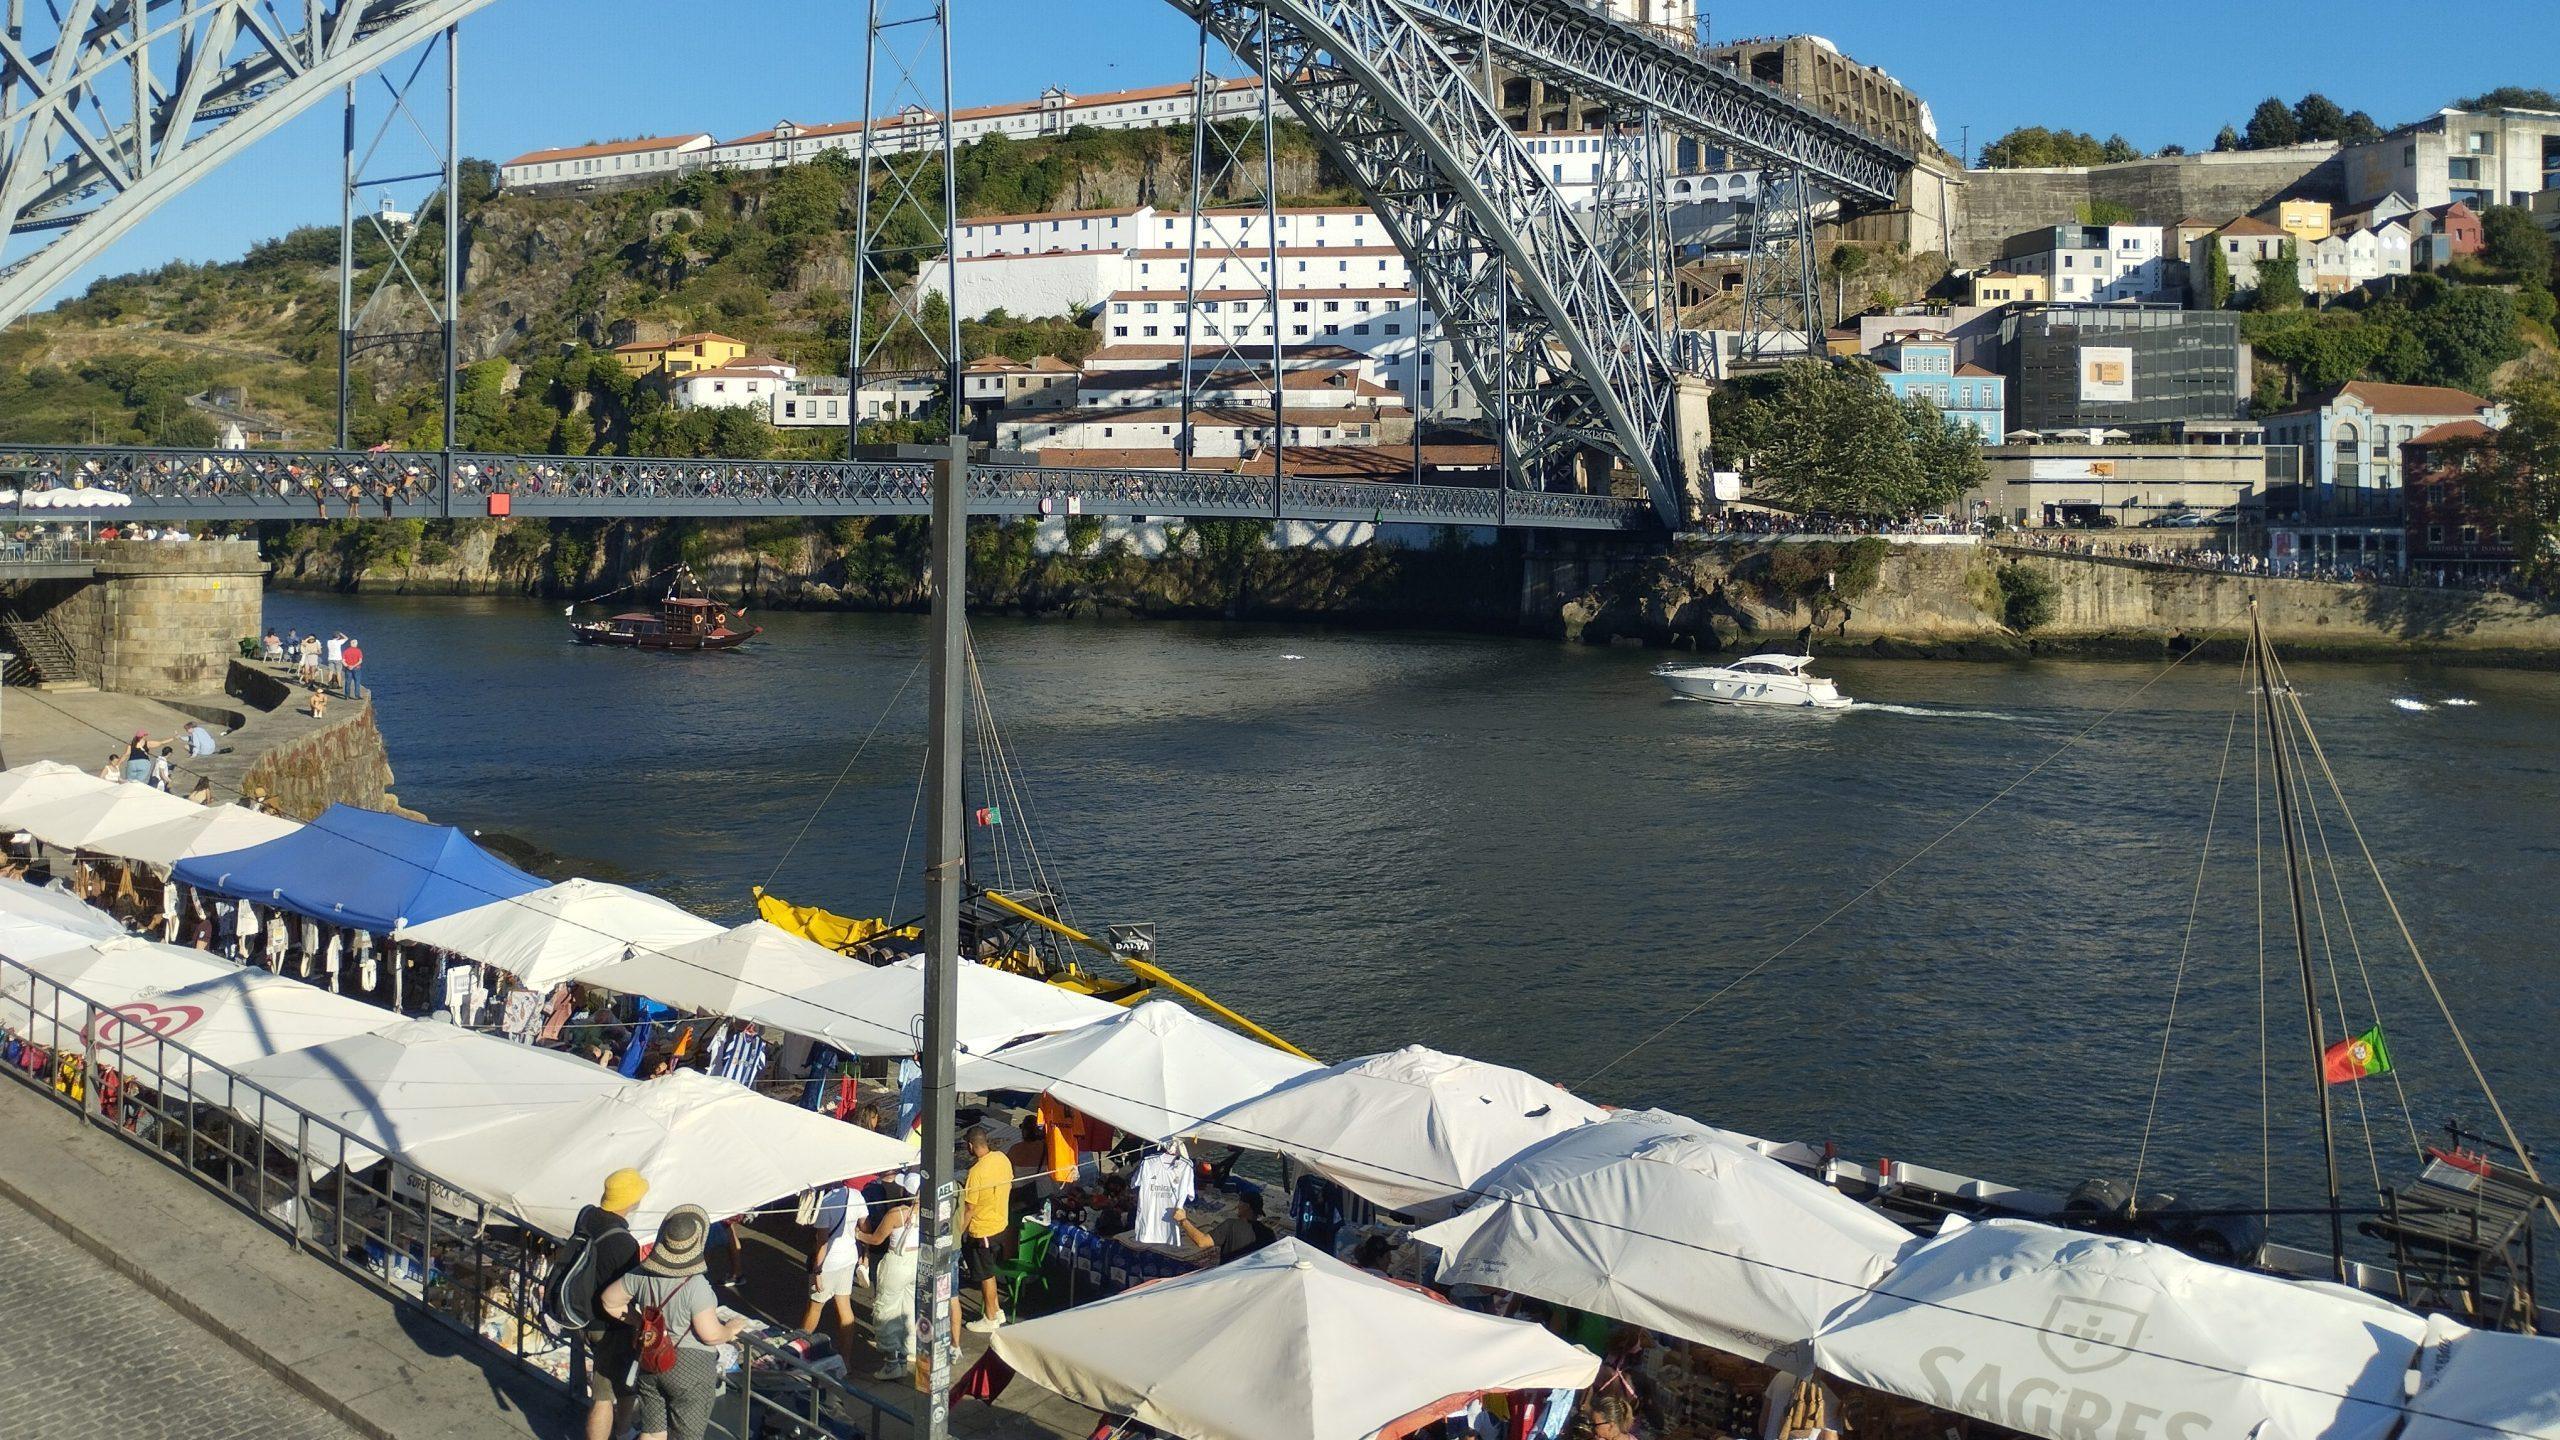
(1924, 366)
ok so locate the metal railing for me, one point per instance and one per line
(323, 484)
(333, 1194)
(48, 551)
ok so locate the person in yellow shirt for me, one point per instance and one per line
(986, 1224)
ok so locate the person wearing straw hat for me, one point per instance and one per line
(676, 1405)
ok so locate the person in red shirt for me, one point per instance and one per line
(350, 660)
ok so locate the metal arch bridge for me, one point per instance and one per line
(196, 486)
(125, 102)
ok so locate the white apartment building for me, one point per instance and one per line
(2355, 258)
(2092, 264)
(2350, 437)
(1231, 416)
(735, 386)
(588, 166)
(2481, 158)
(813, 402)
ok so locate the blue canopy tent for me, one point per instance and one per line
(361, 869)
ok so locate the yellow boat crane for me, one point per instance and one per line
(1135, 953)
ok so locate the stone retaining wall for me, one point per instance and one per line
(300, 765)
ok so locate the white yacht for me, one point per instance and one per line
(1778, 680)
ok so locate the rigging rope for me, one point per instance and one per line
(2426, 972)
(2258, 875)
(2186, 943)
(2319, 909)
(634, 585)
(821, 807)
(1015, 795)
(1914, 858)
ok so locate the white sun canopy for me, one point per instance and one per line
(2065, 1335)
(2484, 1385)
(76, 822)
(696, 1139)
(413, 1081)
(228, 1020)
(108, 973)
(41, 782)
(1287, 1343)
(36, 921)
(1409, 1130)
(561, 931)
(879, 1010)
(1657, 1220)
(726, 972)
(1156, 1071)
(201, 830)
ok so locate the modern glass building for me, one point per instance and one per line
(2135, 368)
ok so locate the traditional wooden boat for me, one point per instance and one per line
(681, 622)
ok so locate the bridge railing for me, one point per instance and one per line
(292, 484)
(433, 1248)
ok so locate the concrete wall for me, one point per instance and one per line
(2215, 186)
(301, 765)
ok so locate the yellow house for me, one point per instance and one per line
(2308, 221)
(703, 350)
(1999, 287)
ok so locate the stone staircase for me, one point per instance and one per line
(39, 652)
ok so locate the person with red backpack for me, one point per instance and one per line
(677, 1329)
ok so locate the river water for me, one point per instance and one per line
(1523, 851)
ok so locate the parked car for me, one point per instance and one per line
(2174, 520)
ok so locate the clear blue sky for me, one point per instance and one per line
(551, 72)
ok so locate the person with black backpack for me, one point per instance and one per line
(601, 1250)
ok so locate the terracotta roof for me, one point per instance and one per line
(729, 372)
(610, 147)
(637, 346)
(1018, 219)
(2405, 399)
(2251, 225)
(2456, 430)
(1977, 372)
(706, 335)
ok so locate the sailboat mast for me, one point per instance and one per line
(2301, 932)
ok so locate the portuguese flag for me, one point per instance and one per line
(2355, 1058)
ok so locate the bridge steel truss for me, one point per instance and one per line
(195, 486)
(1583, 368)
(126, 102)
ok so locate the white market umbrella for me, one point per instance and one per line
(1156, 1072)
(73, 822)
(112, 974)
(1287, 1343)
(1411, 1128)
(2484, 1385)
(560, 932)
(1659, 1221)
(397, 1087)
(879, 1009)
(47, 920)
(228, 1020)
(697, 1140)
(75, 498)
(42, 782)
(2038, 1328)
(203, 830)
(721, 972)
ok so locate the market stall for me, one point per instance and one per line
(1412, 1130)
(699, 1140)
(879, 1009)
(2058, 1333)
(361, 870)
(2484, 1385)
(558, 932)
(1285, 1344)
(1659, 1221)
(726, 972)
(1155, 1072)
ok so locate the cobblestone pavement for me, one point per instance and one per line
(90, 1354)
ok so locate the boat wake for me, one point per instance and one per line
(2458, 703)
(2410, 702)
(1933, 713)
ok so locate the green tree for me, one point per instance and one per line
(2511, 97)
(2227, 139)
(2217, 278)
(1845, 262)
(2034, 146)
(2317, 117)
(2359, 128)
(2460, 335)
(2271, 126)
(1815, 436)
(2515, 244)
(2118, 150)
(2516, 477)
(2280, 279)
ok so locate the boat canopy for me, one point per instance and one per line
(361, 869)
(1783, 662)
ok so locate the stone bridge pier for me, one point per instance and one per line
(153, 617)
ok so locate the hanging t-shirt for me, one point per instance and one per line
(1163, 1185)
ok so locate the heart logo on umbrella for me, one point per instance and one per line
(141, 1022)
